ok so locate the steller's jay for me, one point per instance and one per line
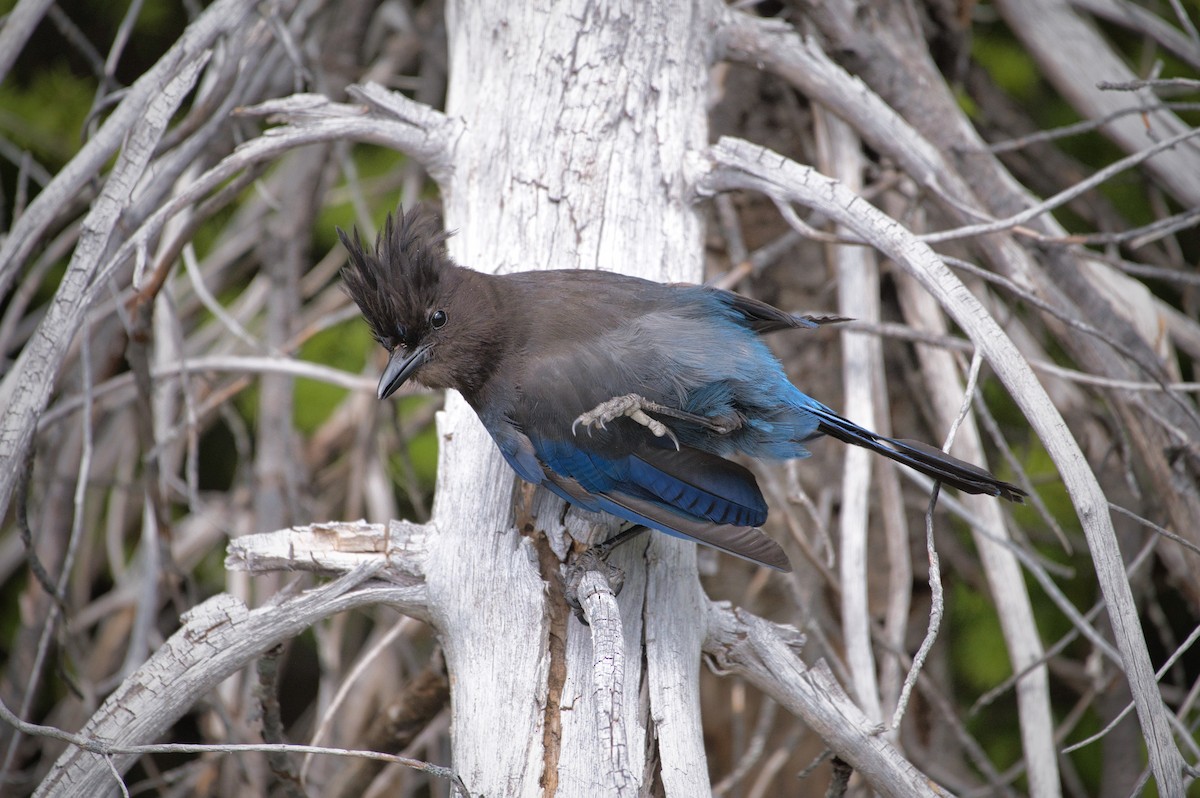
(614, 392)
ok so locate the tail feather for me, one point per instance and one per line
(929, 460)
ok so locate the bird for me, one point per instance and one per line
(616, 393)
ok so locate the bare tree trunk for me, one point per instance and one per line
(572, 157)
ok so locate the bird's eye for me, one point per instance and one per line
(438, 319)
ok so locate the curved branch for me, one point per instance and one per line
(736, 164)
(26, 389)
(764, 654)
(218, 638)
(423, 132)
(218, 20)
(316, 119)
(1075, 58)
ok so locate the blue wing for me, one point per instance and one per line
(686, 493)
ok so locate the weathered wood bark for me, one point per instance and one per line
(572, 156)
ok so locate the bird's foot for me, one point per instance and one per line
(636, 407)
(630, 406)
(595, 558)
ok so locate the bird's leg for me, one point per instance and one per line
(595, 558)
(603, 550)
(635, 407)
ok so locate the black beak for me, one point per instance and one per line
(400, 367)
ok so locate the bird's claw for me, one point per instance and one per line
(630, 406)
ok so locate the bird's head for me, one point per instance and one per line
(419, 305)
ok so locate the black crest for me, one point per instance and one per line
(394, 285)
